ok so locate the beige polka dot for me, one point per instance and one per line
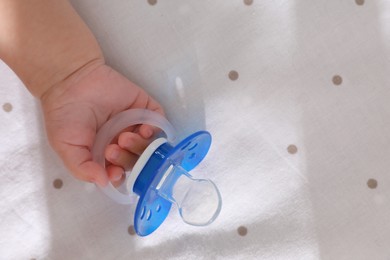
(233, 75)
(152, 2)
(292, 149)
(372, 183)
(7, 107)
(131, 230)
(337, 80)
(359, 2)
(248, 2)
(58, 183)
(242, 231)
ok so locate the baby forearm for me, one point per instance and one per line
(44, 42)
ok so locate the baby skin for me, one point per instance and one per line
(58, 59)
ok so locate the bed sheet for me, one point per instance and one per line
(296, 96)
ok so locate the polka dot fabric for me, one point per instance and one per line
(296, 96)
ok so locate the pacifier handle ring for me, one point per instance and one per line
(116, 124)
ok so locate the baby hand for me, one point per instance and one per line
(76, 108)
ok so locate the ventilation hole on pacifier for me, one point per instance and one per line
(143, 212)
(193, 147)
(148, 215)
(192, 156)
(184, 147)
(158, 208)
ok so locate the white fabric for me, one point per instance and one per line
(314, 204)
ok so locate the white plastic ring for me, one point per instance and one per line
(112, 127)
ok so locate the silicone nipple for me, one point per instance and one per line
(198, 200)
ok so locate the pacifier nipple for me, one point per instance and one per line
(198, 200)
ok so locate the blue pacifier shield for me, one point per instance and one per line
(152, 208)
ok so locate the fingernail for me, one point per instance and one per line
(127, 143)
(114, 155)
(117, 177)
(148, 133)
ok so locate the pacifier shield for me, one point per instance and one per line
(152, 208)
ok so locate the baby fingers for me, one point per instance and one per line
(134, 143)
(120, 157)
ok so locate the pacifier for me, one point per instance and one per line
(161, 176)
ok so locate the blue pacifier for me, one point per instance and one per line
(160, 176)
